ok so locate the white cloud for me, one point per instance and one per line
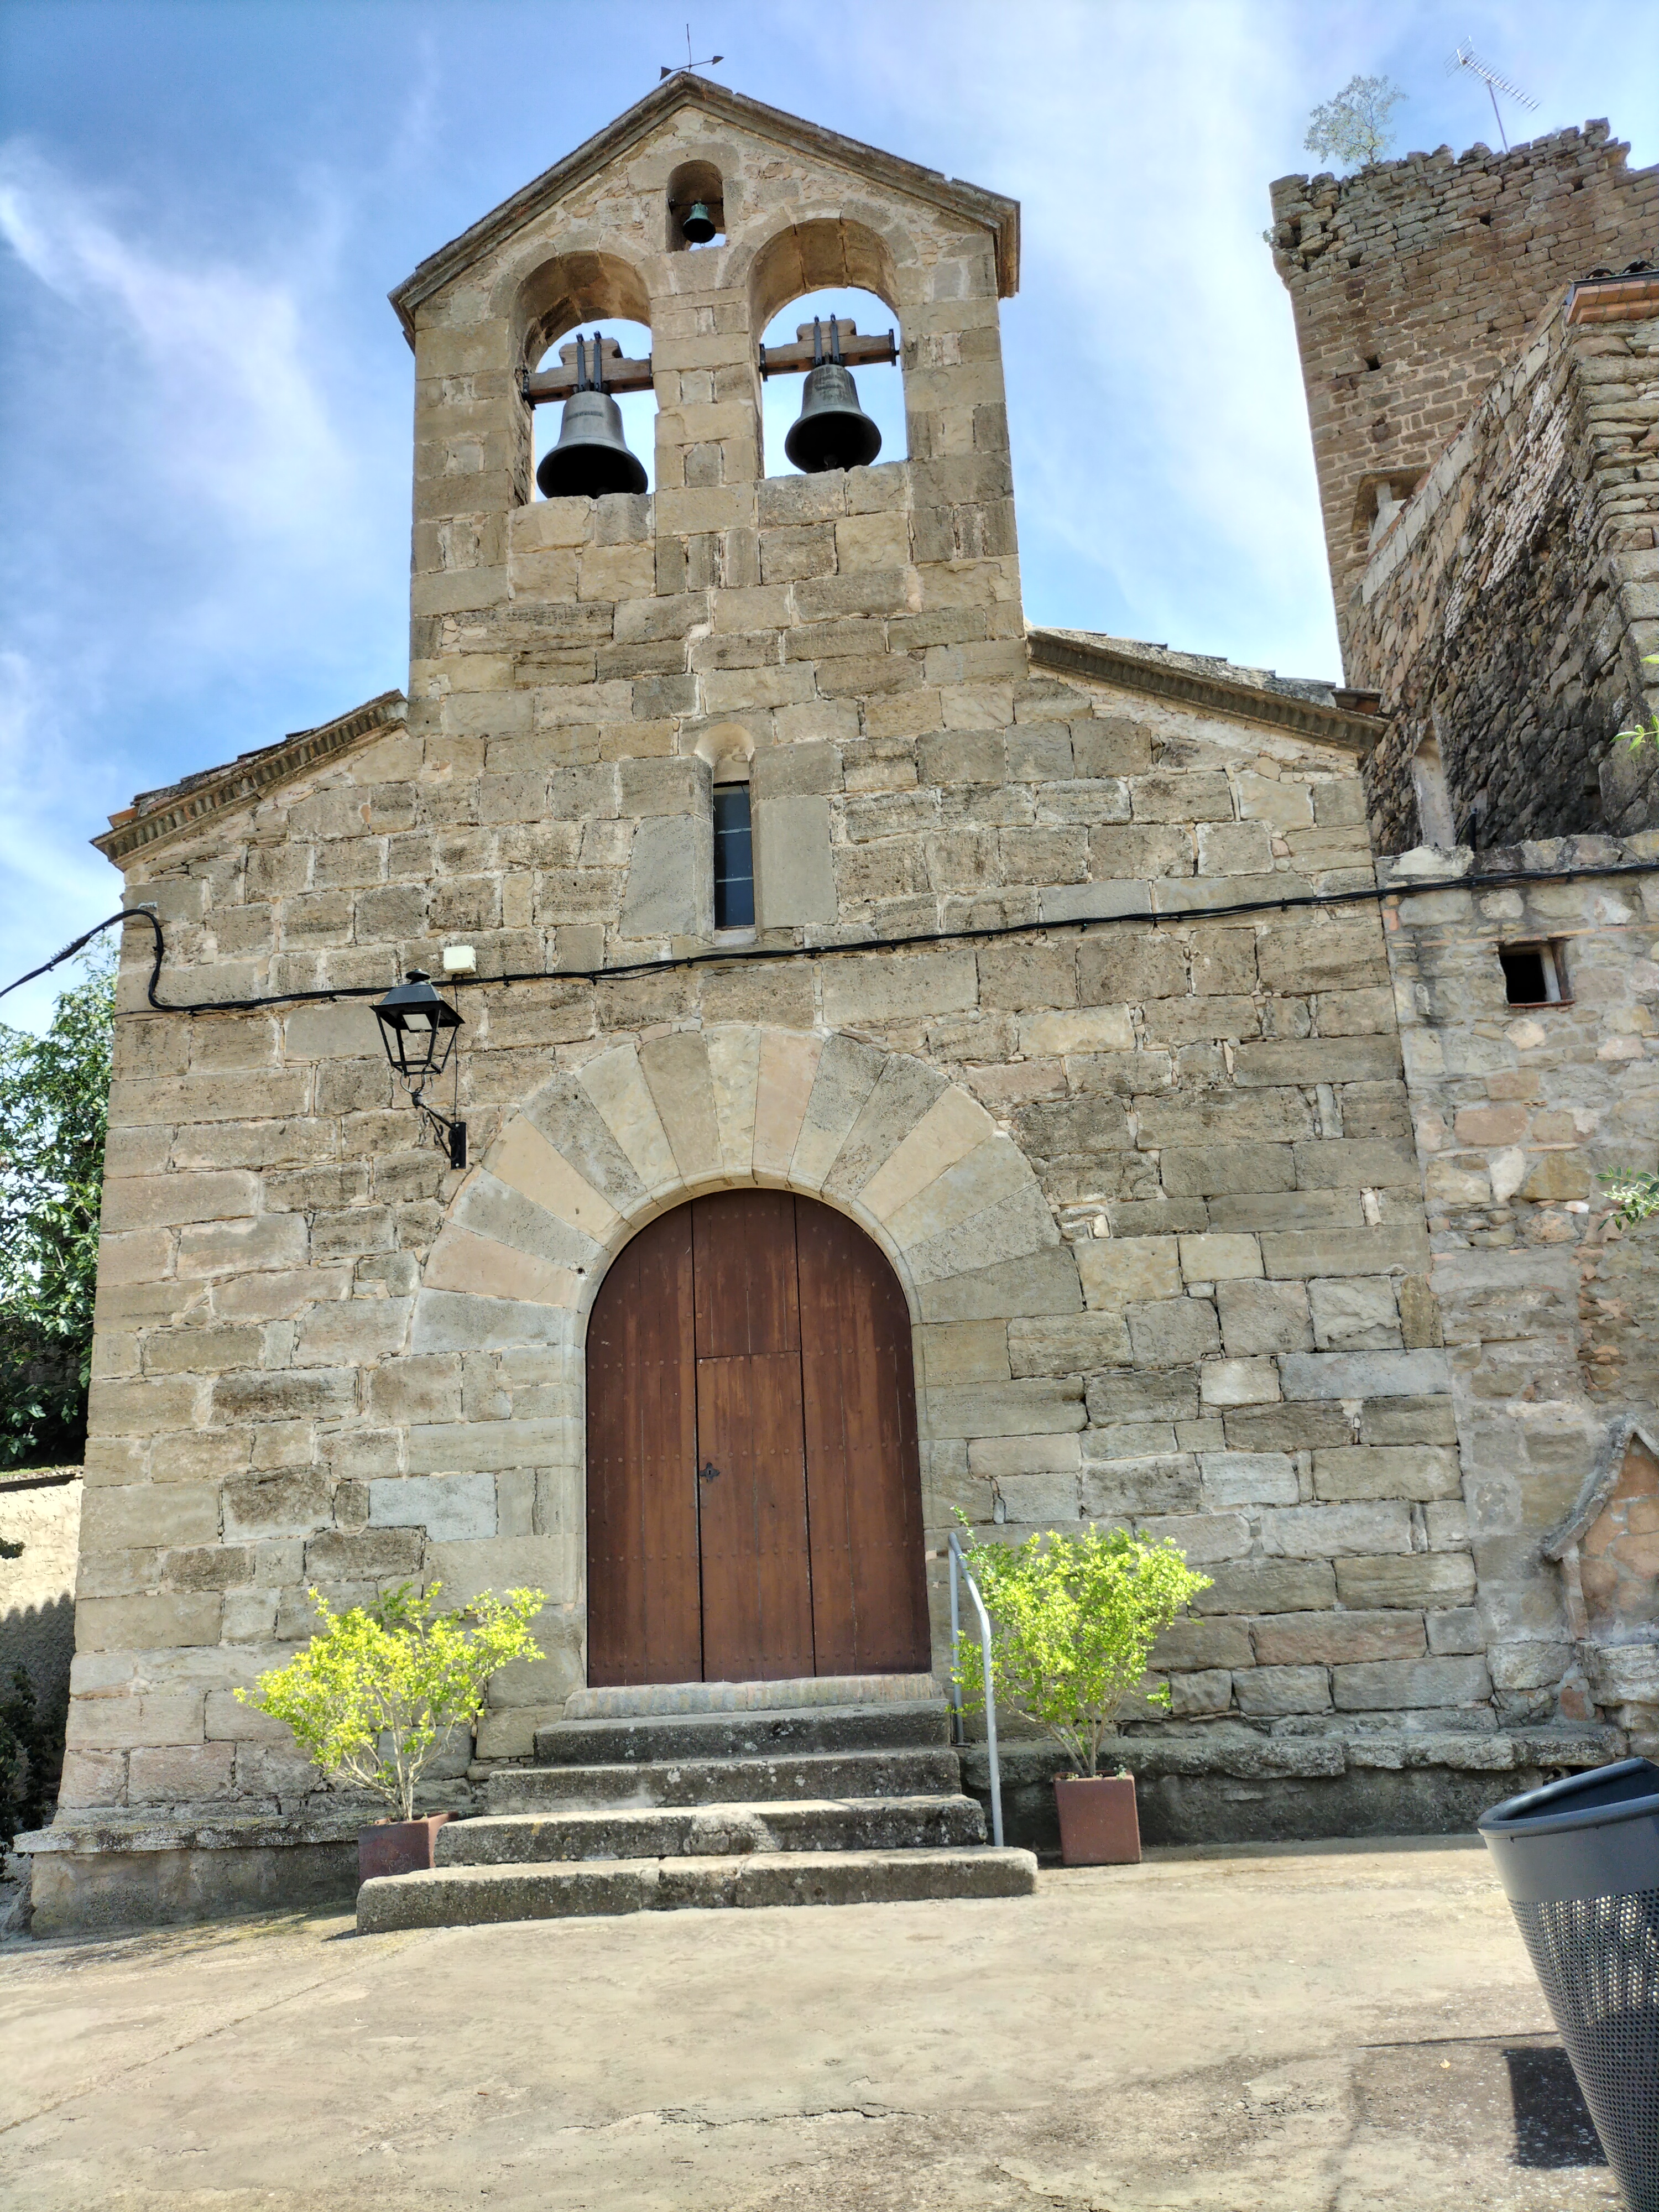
(221, 382)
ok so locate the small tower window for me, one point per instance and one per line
(734, 863)
(1534, 974)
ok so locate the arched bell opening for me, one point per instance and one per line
(694, 204)
(842, 316)
(754, 1491)
(598, 297)
(842, 274)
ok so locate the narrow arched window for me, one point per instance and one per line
(734, 857)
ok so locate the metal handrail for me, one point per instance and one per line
(959, 1563)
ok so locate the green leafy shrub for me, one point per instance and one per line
(1643, 734)
(377, 1689)
(1073, 1620)
(1635, 1197)
(54, 1112)
(26, 1757)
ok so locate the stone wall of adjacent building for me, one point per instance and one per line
(1550, 1312)
(1507, 610)
(1415, 282)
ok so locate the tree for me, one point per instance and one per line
(1073, 1620)
(376, 1690)
(54, 1113)
(1354, 126)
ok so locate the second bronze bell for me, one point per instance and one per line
(832, 431)
(591, 458)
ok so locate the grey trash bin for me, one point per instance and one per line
(1579, 1862)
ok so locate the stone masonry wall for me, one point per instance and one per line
(1550, 1317)
(1146, 1175)
(1506, 612)
(1415, 282)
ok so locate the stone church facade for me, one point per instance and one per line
(1069, 985)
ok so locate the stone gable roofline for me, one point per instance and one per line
(1303, 707)
(155, 814)
(992, 211)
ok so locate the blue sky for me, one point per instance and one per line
(205, 400)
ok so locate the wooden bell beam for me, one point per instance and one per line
(620, 375)
(855, 352)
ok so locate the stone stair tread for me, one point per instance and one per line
(900, 1822)
(474, 1895)
(791, 1694)
(918, 1723)
(801, 1775)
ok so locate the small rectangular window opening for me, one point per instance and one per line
(1534, 974)
(734, 864)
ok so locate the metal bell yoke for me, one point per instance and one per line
(592, 456)
(832, 431)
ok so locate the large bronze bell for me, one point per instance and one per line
(832, 431)
(697, 227)
(592, 457)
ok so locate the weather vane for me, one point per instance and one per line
(688, 64)
(1465, 57)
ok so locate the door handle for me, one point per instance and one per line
(709, 1473)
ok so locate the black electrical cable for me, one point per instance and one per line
(127, 913)
(1180, 917)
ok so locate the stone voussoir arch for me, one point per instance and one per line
(595, 1153)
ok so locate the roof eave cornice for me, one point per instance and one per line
(248, 780)
(1302, 717)
(998, 215)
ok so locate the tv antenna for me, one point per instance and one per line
(1465, 57)
(688, 64)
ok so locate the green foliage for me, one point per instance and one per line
(26, 1757)
(1635, 1197)
(1643, 734)
(54, 1111)
(1073, 1620)
(374, 1692)
(1354, 126)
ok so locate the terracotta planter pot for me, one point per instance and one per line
(397, 1846)
(1098, 1826)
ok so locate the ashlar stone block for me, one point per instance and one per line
(1357, 1312)
(1118, 1272)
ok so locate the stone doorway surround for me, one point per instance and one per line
(950, 1200)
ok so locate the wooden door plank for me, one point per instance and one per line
(757, 1589)
(643, 1602)
(864, 1480)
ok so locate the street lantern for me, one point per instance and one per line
(418, 1031)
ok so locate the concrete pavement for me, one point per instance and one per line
(1236, 2030)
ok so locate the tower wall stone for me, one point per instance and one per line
(1414, 284)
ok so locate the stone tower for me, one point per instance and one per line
(1414, 282)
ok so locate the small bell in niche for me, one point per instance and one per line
(832, 431)
(592, 457)
(697, 225)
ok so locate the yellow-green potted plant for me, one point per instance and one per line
(377, 1691)
(1073, 1620)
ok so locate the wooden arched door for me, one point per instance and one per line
(754, 1498)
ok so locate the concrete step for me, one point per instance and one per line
(469, 1896)
(859, 1824)
(911, 1724)
(818, 1775)
(789, 1695)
